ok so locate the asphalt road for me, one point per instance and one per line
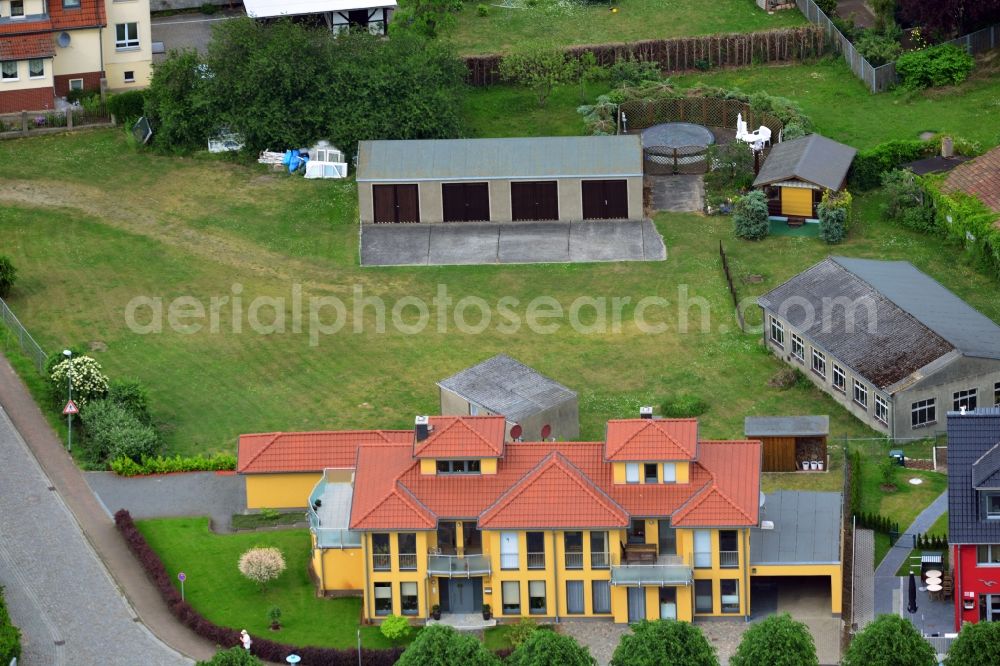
(58, 592)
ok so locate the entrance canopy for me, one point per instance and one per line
(273, 8)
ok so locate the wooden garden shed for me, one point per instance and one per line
(790, 442)
(500, 180)
(797, 172)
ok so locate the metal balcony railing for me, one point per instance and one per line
(729, 559)
(407, 561)
(600, 560)
(455, 566)
(381, 561)
(536, 560)
(574, 560)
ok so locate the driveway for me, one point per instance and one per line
(681, 193)
(58, 591)
(509, 243)
(164, 496)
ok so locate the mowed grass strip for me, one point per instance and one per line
(568, 23)
(217, 589)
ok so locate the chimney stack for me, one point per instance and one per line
(421, 428)
(646, 412)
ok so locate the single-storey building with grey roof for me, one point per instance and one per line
(541, 407)
(797, 172)
(892, 345)
(790, 442)
(501, 180)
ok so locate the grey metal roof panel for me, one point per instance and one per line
(874, 337)
(813, 158)
(486, 159)
(506, 386)
(806, 529)
(927, 300)
(786, 426)
(970, 436)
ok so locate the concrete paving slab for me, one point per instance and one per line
(681, 193)
(606, 241)
(653, 247)
(394, 244)
(463, 243)
(538, 242)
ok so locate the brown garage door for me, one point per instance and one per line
(466, 202)
(396, 203)
(534, 200)
(605, 199)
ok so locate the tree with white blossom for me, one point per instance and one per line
(262, 565)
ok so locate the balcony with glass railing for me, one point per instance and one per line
(458, 566)
(665, 570)
(329, 514)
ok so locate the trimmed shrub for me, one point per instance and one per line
(834, 215)
(869, 165)
(904, 200)
(750, 216)
(482, 10)
(89, 382)
(10, 636)
(165, 465)
(546, 648)
(127, 106)
(113, 432)
(942, 65)
(976, 645)
(540, 68)
(778, 640)
(878, 49)
(664, 643)
(522, 631)
(683, 405)
(131, 395)
(889, 641)
(8, 275)
(395, 628)
(234, 656)
(633, 72)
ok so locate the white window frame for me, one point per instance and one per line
(881, 410)
(39, 76)
(991, 560)
(777, 332)
(862, 390)
(129, 76)
(632, 472)
(380, 592)
(510, 551)
(129, 43)
(730, 600)
(995, 515)
(839, 372)
(12, 14)
(17, 72)
(925, 406)
(73, 84)
(820, 357)
(402, 595)
(703, 549)
(798, 348)
(533, 593)
(669, 472)
(959, 396)
(510, 594)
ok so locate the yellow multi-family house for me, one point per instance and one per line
(51, 47)
(452, 519)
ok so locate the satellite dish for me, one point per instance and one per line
(516, 431)
(546, 431)
(63, 39)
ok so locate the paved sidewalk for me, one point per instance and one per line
(864, 578)
(886, 582)
(69, 484)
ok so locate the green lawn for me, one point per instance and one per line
(216, 588)
(565, 23)
(206, 228)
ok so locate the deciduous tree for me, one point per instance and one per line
(262, 565)
(889, 641)
(976, 645)
(440, 645)
(664, 643)
(777, 640)
(547, 648)
(538, 67)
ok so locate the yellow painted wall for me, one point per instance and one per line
(428, 466)
(395, 577)
(682, 472)
(716, 573)
(488, 466)
(280, 491)
(338, 569)
(834, 571)
(82, 55)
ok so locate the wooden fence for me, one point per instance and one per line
(44, 122)
(687, 53)
(732, 287)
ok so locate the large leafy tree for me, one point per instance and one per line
(547, 648)
(538, 67)
(178, 102)
(664, 643)
(440, 645)
(976, 645)
(890, 641)
(949, 18)
(427, 18)
(777, 640)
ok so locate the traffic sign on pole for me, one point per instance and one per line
(181, 576)
(70, 408)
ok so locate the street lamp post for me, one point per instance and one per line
(69, 375)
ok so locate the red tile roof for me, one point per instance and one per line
(979, 177)
(733, 494)
(23, 47)
(380, 502)
(89, 14)
(652, 439)
(463, 437)
(554, 495)
(309, 451)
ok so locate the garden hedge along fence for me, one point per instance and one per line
(686, 53)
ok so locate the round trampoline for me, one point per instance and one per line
(677, 135)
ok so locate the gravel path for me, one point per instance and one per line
(167, 495)
(59, 593)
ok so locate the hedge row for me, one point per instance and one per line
(125, 466)
(10, 636)
(869, 164)
(226, 637)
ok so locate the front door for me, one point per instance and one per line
(796, 202)
(465, 595)
(605, 199)
(636, 604)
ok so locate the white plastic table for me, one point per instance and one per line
(933, 573)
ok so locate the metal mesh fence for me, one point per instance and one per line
(27, 343)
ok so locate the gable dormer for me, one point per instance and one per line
(458, 444)
(650, 450)
(986, 481)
